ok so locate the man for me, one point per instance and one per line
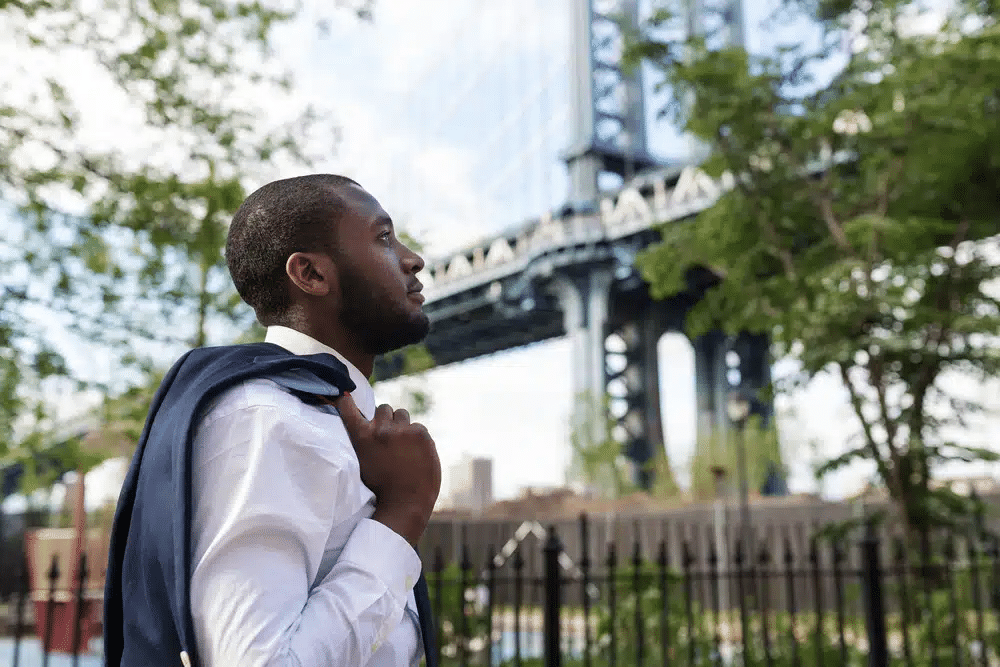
(296, 542)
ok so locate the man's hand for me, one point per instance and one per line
(399, 463)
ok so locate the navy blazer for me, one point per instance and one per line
(149, 559)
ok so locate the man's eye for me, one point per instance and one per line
(385, 236)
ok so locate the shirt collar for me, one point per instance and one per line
(301, 344)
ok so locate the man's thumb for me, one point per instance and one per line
(349, 412)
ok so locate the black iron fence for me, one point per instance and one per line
(716, 597)
(52, 612)
(702, 595)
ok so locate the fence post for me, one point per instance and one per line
(871, 572)
(50, 608)
(23, 592)
(79, 608)
(553, 602)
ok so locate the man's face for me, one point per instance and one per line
(380, 293)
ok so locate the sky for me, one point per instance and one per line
(453, 114)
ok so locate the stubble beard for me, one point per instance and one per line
(380, 323)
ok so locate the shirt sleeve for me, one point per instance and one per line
(270, 481)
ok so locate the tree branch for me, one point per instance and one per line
(824, 202)
(936, 335)
(856, 404)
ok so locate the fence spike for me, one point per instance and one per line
(50, 609)
(518, 559)
(838, 553)
(687, 555)
(466, 563)
(438, 560)
(78, 612)
(874, 605)
(948, 549)
(551, 629)
(713, 554)
(54, 573)
(491, 556)
(789, 556)
(899, 550)
(972, 546)
(22, 596)
(765, 556)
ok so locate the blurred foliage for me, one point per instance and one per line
(715, 452)
(128, 133)
(598, 460)
(410, 363)
(451, 602)
(859, 231)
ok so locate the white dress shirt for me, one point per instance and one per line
(288, 567)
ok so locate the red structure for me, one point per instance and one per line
(60, 597)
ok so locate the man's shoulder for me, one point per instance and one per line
(236, 378)
(252, 395)
(320, 373)
(237, 353)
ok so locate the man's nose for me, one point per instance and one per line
(412, 262)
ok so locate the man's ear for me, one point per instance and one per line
(311, 272)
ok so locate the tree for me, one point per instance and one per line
(858, 220)
(128, 131)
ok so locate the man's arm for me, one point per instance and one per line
(269, 484)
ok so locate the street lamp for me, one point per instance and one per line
(738, 409)
(721, 526)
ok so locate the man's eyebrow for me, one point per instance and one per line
(381, 220)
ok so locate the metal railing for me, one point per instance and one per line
(867, 599)
(75, 602)
(789, 598)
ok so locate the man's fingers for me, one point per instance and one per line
(354, 421)
(383, 413)
(401, 415)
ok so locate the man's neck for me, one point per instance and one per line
(340, 344)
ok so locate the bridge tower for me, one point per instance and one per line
(610, 140)
(608, 107)
(608, 115)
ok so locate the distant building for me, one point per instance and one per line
(964, 486)
(471, 481)
(982, 485)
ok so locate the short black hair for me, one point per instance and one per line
(283, 217)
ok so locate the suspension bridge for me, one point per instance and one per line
(558, 153)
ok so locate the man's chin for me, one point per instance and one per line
(421, 327)
(413, 332)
